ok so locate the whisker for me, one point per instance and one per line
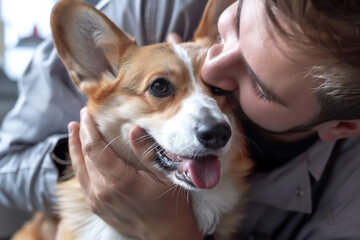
(164, 180)
(143, 138)
(238, 142)
(171, 188)
(140, 139)
(128, 160)
(181, 152)
(147, 151)
(188, 196)
(200, 205)
(249, 140)
(176, 186)
(177, 200)
(107, 145)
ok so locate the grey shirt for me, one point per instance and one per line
(48, 101)
(314, 196)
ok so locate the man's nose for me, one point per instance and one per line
(221, 67)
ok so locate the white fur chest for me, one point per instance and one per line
(208, 206)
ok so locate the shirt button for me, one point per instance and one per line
(300, 192)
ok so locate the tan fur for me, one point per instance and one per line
(40, 227)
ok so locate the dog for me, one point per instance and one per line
(159, 88)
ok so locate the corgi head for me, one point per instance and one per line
(157, 87)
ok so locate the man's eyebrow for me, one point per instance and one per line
(267, 91)
(238, 13)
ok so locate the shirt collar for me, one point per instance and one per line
(289, 187)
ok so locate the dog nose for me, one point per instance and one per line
(213, 134)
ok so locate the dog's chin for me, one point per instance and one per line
(178, 170)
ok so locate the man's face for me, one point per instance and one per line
(267, 76)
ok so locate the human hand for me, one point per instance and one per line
(174, 38)
(137, 203)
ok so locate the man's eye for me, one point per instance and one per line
(161, 88)
(219, 39)
(217, 91)
(260, 93)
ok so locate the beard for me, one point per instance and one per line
(240, 115)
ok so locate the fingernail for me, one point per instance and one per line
(174, 38)
(82, 113)
(70, 129)
(136, 134)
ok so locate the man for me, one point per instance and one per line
(302, 187)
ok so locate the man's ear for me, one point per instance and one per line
(334, 130)
(88, 43)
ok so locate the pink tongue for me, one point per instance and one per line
(204, 172)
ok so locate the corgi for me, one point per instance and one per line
(159, 88)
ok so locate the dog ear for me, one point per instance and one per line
(207, 32)
(88, 43)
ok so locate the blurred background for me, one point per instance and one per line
(23, 25)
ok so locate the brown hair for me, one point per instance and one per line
(327, 27)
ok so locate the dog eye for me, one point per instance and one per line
(217, 91)
(161, 88)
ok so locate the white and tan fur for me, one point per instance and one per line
(117, 76)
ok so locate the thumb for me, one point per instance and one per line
(141, 144)
(174, 38)
(143, 147)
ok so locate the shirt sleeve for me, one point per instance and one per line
(48, 100)
(150, 21)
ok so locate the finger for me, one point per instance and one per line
(76, 154)
(174, 38)
(143, 147)
(98, 155)
(59, 230)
